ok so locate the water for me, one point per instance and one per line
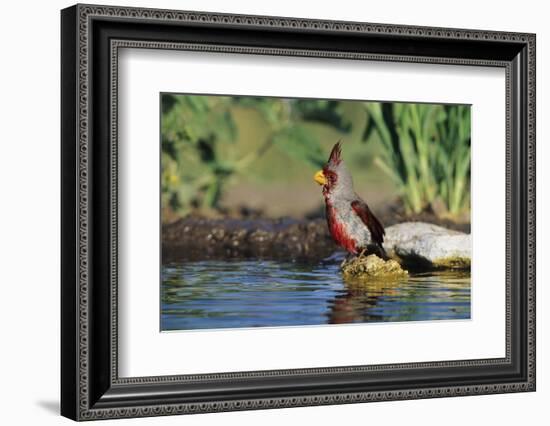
(255, 293)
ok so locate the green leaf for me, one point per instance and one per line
(300, 144)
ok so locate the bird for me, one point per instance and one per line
(350, 221)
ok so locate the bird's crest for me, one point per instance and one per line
(336, 154)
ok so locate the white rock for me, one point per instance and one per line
(425, 244)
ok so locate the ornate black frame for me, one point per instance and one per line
(91, 37)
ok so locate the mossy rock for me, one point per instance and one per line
(373, 267)
(455, 262)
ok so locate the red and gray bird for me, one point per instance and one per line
(351, 223)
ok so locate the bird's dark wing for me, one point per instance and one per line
(373, 224)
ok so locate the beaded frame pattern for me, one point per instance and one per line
(86, 12)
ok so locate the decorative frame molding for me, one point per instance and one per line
(91, 37)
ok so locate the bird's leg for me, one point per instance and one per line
(346, 259)
(362, 253)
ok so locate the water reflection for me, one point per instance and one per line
(253, 293)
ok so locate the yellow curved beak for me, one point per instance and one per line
(320, 178)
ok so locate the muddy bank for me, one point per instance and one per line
(282, 239)
(394, 214)
(419, 245)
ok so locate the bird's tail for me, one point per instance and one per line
(383, 253)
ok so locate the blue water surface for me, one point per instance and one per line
(259, 293)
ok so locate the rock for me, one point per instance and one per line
(424, 245)
(372, 267)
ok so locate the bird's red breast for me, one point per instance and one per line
(338, 231)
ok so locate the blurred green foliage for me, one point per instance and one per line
(424, 148)
(426, 151)
(198, 133)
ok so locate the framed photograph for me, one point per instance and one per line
(263, 212)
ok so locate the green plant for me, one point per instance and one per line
(194, 170)
(199, 153)
(426, 151)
